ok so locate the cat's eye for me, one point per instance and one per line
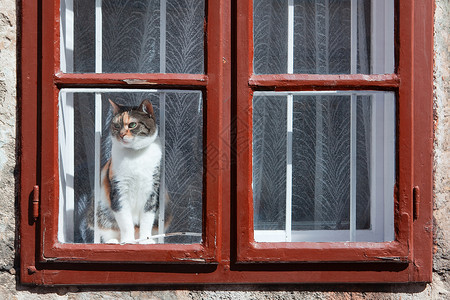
(132, 125)
(116, 125)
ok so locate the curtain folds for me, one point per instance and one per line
(139, 36)
(321, 136)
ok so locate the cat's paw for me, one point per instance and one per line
(112, 241)
(132, 241)
(147, 241)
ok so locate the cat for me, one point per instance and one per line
(130, 180)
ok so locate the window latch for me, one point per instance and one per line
(416, 202)
(35, 202)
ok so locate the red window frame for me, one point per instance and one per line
(248, 250)
(48, 80)
(402, 82)
(228, 253)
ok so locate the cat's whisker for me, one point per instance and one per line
(168, 235)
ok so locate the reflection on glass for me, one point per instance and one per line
(151, 36)
(323, 166)
(323, 36)
(85, 144)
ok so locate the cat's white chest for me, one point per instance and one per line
(134, 171)
(135, 162)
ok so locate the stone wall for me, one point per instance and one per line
(441, 266)
(8, 134)
(10, 289)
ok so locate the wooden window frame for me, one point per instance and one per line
(228, 253)
(53, 80)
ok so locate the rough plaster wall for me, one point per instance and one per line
(441, 213)
(7, 133)
(439, 289)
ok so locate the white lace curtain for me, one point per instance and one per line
(138, 36)
(322, 41)
(328, 38)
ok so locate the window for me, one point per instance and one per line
(130, 37)
(128, 52)
(334, 181)
(295, 136)
(323, 161)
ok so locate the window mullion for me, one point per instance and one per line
(375, 213)
(290, 56)
(97, 160)
(162, 184)
(289, 125)
(67, 36)
(98, 114)
(353, 121)
(389, 61)
(289, 167)
(98, 36)
(321, 28)
(67, 162)
(162, 35)
(382, 26)
(354, 37)
(67, 168)
(389, 165)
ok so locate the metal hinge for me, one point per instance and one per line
(416, 202)
(35, 202)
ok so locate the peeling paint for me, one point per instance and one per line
(192, 259)
(137, 81)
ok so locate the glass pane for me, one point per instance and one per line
(124, 174)
(323, 36)
(269, 154)
(321, 163)
(363, 154)
(340, 147)
(152, 36)
(270, 36)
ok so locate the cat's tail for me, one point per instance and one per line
(85, 234)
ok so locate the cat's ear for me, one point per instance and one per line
(147, 107)
(116, 107)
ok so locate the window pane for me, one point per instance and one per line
(321, 163)
(152, 36)
(323, 166)
(323, 36)
(87, 142)
(269, 154)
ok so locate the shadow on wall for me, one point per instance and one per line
(299, 290)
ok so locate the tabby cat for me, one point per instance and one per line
(130, 179)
